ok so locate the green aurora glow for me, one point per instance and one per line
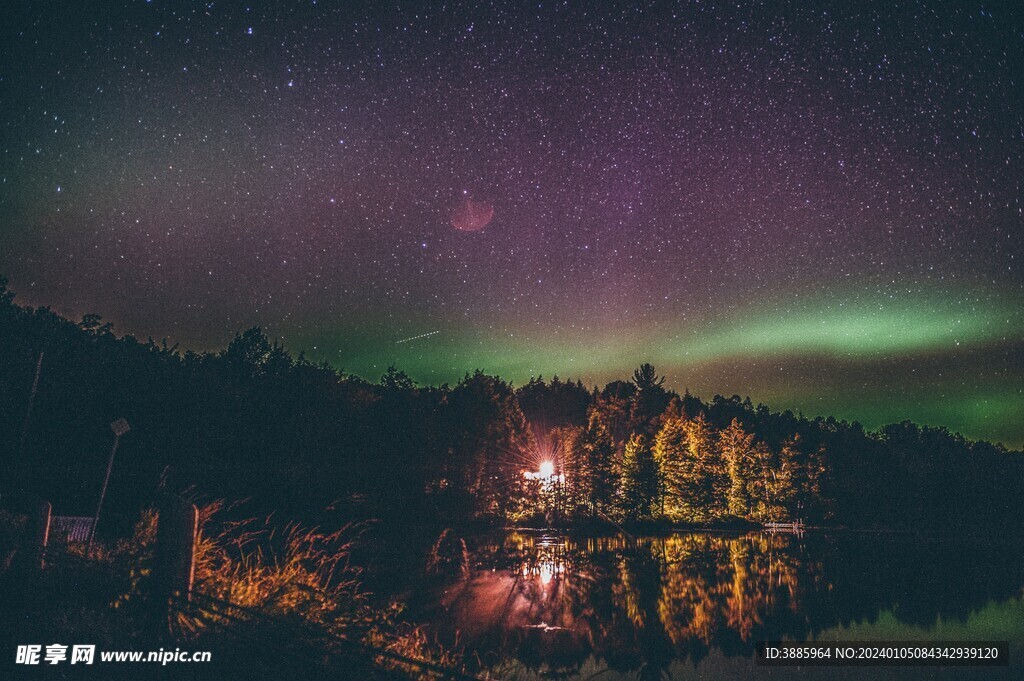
(873, 359)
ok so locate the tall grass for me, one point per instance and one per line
(287, 585)
(288, 570)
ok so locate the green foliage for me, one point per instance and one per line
(671, 454)
(570, 445)
(598, 452)
(736, 448)
(707, 480)
(638, 485)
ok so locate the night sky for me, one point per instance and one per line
(817, 206)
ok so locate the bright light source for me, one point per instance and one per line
(546, 474)
(547, 572)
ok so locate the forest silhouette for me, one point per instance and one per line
(253, 421)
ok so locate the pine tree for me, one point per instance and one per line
(791, 480)
(768, 485)
(706, 476)
(638, 487)
(648, 402)
(820, 502)
(737, 448)
(671, 454)
(486, 428)
(597, 451)
(803, 481)
(575, 465)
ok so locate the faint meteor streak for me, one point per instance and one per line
(422, 335)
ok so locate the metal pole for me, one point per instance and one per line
(103, 493)
(31, 401)
(41, 533)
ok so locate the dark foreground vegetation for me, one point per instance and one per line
(252, 421)
(269, 599)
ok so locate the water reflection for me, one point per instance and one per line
(552, 605)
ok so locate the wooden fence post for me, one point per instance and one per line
(173, 559)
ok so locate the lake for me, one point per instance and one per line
(693, 605)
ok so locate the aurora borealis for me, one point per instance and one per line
(818, 206)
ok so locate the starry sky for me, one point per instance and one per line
(816, 204)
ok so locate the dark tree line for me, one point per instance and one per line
(254, 421)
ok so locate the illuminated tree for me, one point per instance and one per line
(671, 454)
(706, 478)
(769, 484)
(789, 482)
(586, 456)
(737, 449)
(575, 466)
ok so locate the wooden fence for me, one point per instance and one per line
(76, 528)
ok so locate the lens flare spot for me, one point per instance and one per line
(472, 216)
